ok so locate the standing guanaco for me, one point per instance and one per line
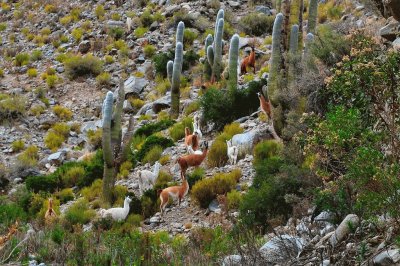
(191, 140)
(265, 105)
(192, 159)
(249, 61)
(50, 214)
(176, 192)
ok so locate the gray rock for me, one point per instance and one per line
(214, 206)
(84, 47)
(90, 125)
(325, 216)
(233, 4)
(56, 158)
(396, 44)
(154, 219)
(134, 86)
(232, 260)
(387, 257)
(390, 31)
(344, 229)
(114, 24)
(281, 248)
(127, 107)
(264, 9)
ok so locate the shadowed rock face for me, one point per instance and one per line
(394, 6)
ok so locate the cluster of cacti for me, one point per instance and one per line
(312, 16)
(214, 52)
(233, 63)
(207, 66)
(111, 141)
(174, 69)
(276, 56)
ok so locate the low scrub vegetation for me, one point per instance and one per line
(77, 66)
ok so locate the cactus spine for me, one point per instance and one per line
(207, 65)
(233, 63)
(293, 55)
(179, 32)
(111, 141)
(312, 16)
(176, 79)
(217, 62)
(276, 57)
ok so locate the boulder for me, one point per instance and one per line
(90, 125)
(344, 229)
(127, 107)
(390, 31)
(232, 260)
(214, 206)
(57, 157)
(396, 44)
(134, 86)
(246, 141)
(325, 216)
(84, 47)
(281, 248)
(387, 257)
(264, 9)
(115, 24)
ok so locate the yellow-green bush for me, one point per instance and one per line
(18, 145)
(140, 32)
(53, 141)
(153, 155)
(124, 169)
(11, 106)
(136, 103)
(109, 59)
(62, 129)
(162, 180)
(77, 34)
(29, 157)
(164, 159)
(65, 195)
(99, 11)
(72, 176)
(50, 9)
(149, 50)
(79, 213)
(94, 191)
(95, 137)
(103, 79)
(51, 81)
(233, 200)
(205, 190)
(119, 194)
(233, 129)
(22, 59)
(62, 112)
(77, 66)
(177, 131)
(32, 72)
(192, 107)
(266, 149)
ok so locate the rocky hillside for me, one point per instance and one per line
(104, 103)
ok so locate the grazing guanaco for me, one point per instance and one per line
(265, 105)
(11, 231)
(192, 159)
(50, 214)
(249, 61)
(176, 192)
(191, 140)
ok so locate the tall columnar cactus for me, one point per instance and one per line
(179, 32)
(312, 16)
(233, 63)
(216, 52)
(170, 69)
(308, 60)
(286, 28)
(293, 57)
(276, 57)
(207, 65)
(175, 79)
(111, 142)
(221, 14)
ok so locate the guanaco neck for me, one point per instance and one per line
(184, 188)
(187, 131)
(50, 204)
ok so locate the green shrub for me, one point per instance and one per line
(95, 137)
(58, 234)
(217, 155)
(11, 212)
(22, 59)
(29, 157)
(188, 37)
(257, 24)
(94, 191)
(42, 183)
(136, 103)
(149, 50)
(73, 176)
(108, 59)
(11, 106)
(232, 129)
(140, 32)
(65, 195)
(152, 128)
(150, 142)
(153, 155)
(177, 131)
(50, 9)
(116, 32)
(62, 112)
(124, 169)
(192, 107)
(213, 242)
(205, 190)
(51, 81)
(115, 16)
(103, 79)
(77, 66)
(1, 73)
(53, 140)
(36, 55)
(18, 145)
(266, 149)
(233, 200)
(3, 26)
(163, 180)
(196, 175)
(32, 72)
(146, 19)
(79, 213)
(99, 11)
(160, 61)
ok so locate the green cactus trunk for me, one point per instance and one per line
(293, 57)
(111, 141)
(179, 32)
(170, 69)
(308, 59)
(220, 15)
(312, 16)
(233, 63)
(176, 78)
(207, 66)
(217, 64)
(276, 57)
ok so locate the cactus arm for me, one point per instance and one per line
(312, 16)
(116, 130)
(220, 15)
(107, 116)
(176, 73)
(293, 55)
(233, 63)
(170, 67)
(210, 55)
(179, 32)
(217, 65)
